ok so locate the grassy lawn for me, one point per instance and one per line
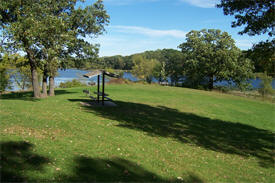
(155, 134)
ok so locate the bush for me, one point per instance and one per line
(223, 89)
(71, 84)
(5, 82)
(119, 81)
(266, 85)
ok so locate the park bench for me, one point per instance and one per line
(109, 99)
(105, 95)
(87, 92)
(93, 98)
(99, 94)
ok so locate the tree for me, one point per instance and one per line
(15, 67)
(20, 71)
(159, 72)
(263, 56)
(174, 64)
(22, 77)
(265, 85)
(114, 62)
(143, 68)
(51, 31)
(5, 82)
(257, 16)
(211, 56)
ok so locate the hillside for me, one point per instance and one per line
(126, 62)
(154, 134)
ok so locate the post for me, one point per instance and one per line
(103, 85)
(98, 87)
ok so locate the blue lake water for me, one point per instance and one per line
(71, 74)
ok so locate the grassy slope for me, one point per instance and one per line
(155, 133)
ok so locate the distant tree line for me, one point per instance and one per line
(51, 34)
(206, 57)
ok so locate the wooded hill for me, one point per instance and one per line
(126, 62)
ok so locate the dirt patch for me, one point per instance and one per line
(36, 133)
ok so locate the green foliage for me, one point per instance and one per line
(242, 72)
(120, 73)
(263, 57)
(224, 89)
(169, 63)
(115, 62)
(257, 16)
(159, 71)
(22, 77)
(266, 85)
(21, 71)
(16, 67)
(51, 32)
(71, 84)
(211, 56)
(5, 82)
(173, 60)
(143, 68)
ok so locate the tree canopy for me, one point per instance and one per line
(263, 56)
(211, 56)
(50, 32)
(143, 68)
(257, 16)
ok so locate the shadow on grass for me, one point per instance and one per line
(17, 158)
(28, 95)
(115, 170)
(212, 134)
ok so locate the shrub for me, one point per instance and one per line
(265, 85)
(5, 82)
(223, 89)
(119, 81)
(71, 84)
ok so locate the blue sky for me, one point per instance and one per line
(140, 25)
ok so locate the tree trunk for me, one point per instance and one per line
(51, 86)
(35, 81)
(44, 85)
(211, 82)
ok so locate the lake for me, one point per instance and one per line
(71, 74)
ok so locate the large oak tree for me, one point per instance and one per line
(256, 17)
(50, 32)
(211, 56)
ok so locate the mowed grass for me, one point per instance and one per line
(154, 134)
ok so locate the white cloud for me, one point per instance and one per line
(113, 44)
(127, 40)
(202, 3)
(149, 32)
(244, 44)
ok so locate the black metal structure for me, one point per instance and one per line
(98, 73)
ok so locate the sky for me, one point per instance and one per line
(141, 25)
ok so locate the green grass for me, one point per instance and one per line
(155, 134)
